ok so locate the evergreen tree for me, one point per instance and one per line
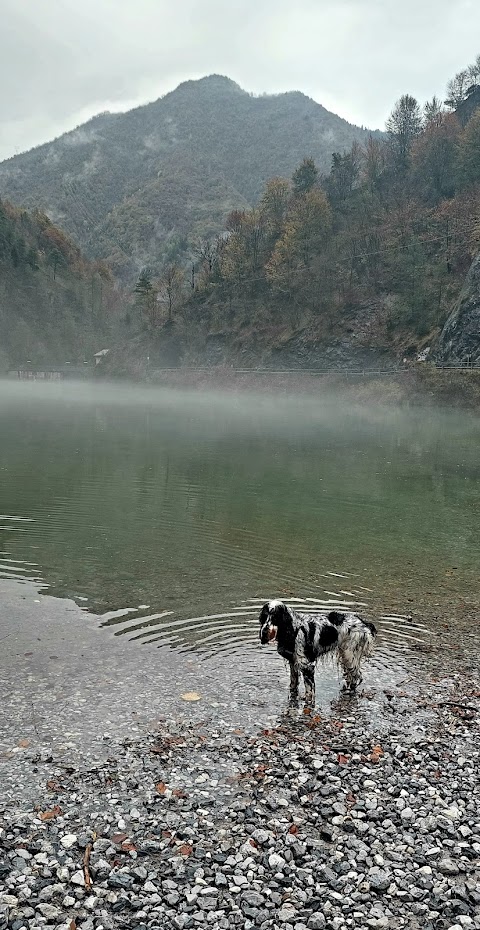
(305, 177)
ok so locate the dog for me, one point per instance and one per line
(302, 639)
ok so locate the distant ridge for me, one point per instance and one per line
(139, 188)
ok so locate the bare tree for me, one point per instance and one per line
(457, 88)
(171, 287)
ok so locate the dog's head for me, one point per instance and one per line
(274, 617)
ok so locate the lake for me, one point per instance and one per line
(168, 517)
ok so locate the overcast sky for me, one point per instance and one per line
(62, 61)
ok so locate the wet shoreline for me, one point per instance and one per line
(319, 821)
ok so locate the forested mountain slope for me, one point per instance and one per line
(360, 267)
(139, 188)
(54, 305)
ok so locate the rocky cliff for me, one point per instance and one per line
(459, 342)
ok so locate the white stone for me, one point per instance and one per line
(10, 900)
(68, 840)
(275, 861)
(50, 911)
(23, 853)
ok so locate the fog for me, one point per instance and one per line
(195, 413)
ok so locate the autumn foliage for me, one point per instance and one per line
(395, 221)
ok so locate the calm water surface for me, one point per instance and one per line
(172, 515)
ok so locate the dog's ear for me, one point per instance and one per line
(264, 613)
(280, 615)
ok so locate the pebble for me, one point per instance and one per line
(68, 840)
(254, 834)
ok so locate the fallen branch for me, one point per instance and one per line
(86, 860)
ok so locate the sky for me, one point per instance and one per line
(63, 61)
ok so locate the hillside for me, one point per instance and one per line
(360, 268)
(54, 305)
(141, 187)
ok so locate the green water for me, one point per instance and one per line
(154, 500)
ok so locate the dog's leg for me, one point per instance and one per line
(350, 660)
(308, 673)
(294, 676)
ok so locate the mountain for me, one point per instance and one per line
(139, 188)
(55, 306)
(359, 269)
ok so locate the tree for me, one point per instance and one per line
(403, 126)
(456, 89)
(206, 251)
(244, 252)
(344, 174)
(305, 177)
(473, 72)
(234, 220)
(434, 157)
(433, 112)
(274, 203)
(56, 260)
(469, 153)
(171, 287)
(146, 295)
(375, 160)
(304, 237)
(32, 259)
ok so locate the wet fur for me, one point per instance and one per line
(303, 639)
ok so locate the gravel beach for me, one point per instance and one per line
(342, 820)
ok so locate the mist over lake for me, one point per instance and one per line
(172, 515)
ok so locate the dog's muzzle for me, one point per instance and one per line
(268, 633)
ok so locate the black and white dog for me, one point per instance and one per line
(302, 639)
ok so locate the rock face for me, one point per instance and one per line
(459, 342)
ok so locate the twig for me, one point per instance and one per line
(456, 704)
(86, 860)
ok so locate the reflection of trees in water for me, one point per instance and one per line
(136, 506)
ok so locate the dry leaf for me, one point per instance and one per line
(341, 759)
(179, 793)
(118, 838)
(24, 743)
(53, 785)
(49, 815)
(191, 696)
(185, 849)
(293, 829)
(161, 787)
(72, 925)
(129, 847)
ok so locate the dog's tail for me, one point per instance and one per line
(356, 638)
